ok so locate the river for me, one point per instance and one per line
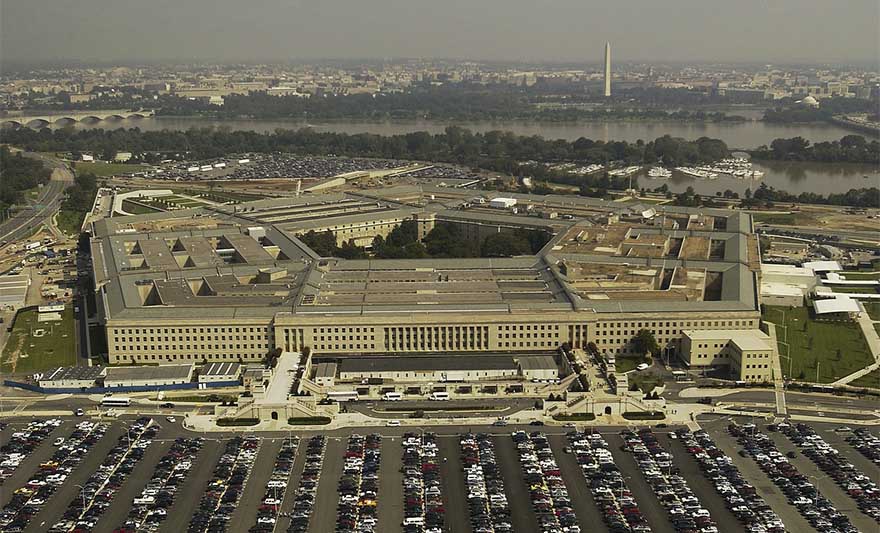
(793, 177)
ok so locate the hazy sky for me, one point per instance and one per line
(543, 30)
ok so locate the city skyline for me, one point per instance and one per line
(684, 30)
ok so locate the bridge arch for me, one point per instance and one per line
(10, 124)
(90, 118)
(64, 121)
(38, 123)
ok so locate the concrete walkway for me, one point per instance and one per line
(873, 341)
(778, 378)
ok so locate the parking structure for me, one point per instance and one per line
(485, 485)
(619, 509)
(276, 486)
(423, 508)
(359, 485)
(857, 485)
(96, 494)
(547, 490)
(22, 443)
(27, 501)
(304, 499)
(684, 509)
(802, 494)
(739, 495)
(150, 508)
(224, 489)
(866, 444)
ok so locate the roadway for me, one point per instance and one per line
(26, 220)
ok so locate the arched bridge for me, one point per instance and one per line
(73, 116)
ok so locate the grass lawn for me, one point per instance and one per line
(645, 382)
(25, 353)
(852, 275)
(873, 309)
(871, 381)
(138, 209)
(626, 363)
(70, 221)
(786, 219)
(106, 169)
(854, 290)
(813, 343)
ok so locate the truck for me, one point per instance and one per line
(32, 245)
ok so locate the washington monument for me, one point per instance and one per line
(607, 69)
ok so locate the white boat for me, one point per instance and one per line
(697, 173)
(659, 173)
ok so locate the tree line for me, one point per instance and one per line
(445, 240)
(17, 175)
(849, 149)
(787, 111)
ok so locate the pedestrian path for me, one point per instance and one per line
(778, 378)
(873, 340)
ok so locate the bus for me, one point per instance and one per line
(679, 375)
(392, 397)
(439, 396)
(115, 401)
(343, 396)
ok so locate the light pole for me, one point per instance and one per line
(83, 496)
(817, 370)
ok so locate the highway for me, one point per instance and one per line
(25, 221)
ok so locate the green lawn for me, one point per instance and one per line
(626, 363)
(852, 275)
(871, 381)
(70, 222)
(783, 219)
(873, 309)
(138, 208)
(26, 353)
(853, 290)
(837, 348)
(106, 169)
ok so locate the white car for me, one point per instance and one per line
(393, 423)
(171, 419)
(642, 366)
(58, 442)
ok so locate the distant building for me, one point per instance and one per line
(122, 157)
(607, 69)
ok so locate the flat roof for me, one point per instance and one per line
(841, 304)
(148, 373)
(426, 363)
(79, 373)
(325, 370)
(221, 369)
(537, 362)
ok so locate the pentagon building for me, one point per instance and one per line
(233, 283)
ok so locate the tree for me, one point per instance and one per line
(645, 342)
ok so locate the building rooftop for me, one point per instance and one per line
(79, 373)
(221, 369)
(361, 365)
(148, 373)
(160, 266)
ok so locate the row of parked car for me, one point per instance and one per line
(811, 504)
(740, 497)
(27, 501)
(22, 443)
(866, 443)
(224, 490)
(150, 508)
(96, 494)
(547, 490)
(485, 485)
(684, 509)
(276, 487)
(619, 509)
(423, 509)
(358, 487)
(855, 483)
(304, 499)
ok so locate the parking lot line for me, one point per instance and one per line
(650, 506)
(390, 507)
(581, 499)
(328, 494)
(57, 504)
(246, 511)
(452, 481)
(29, 465)
(705, 491)
(752, 473)
(522, 514)
(131, 488)
(189, 494)
(299, 462)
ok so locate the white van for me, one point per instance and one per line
(439, 396)
(414, 521)
(392, 396)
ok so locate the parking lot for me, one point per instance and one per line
(150, 475)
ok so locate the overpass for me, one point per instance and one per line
(61, 117)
